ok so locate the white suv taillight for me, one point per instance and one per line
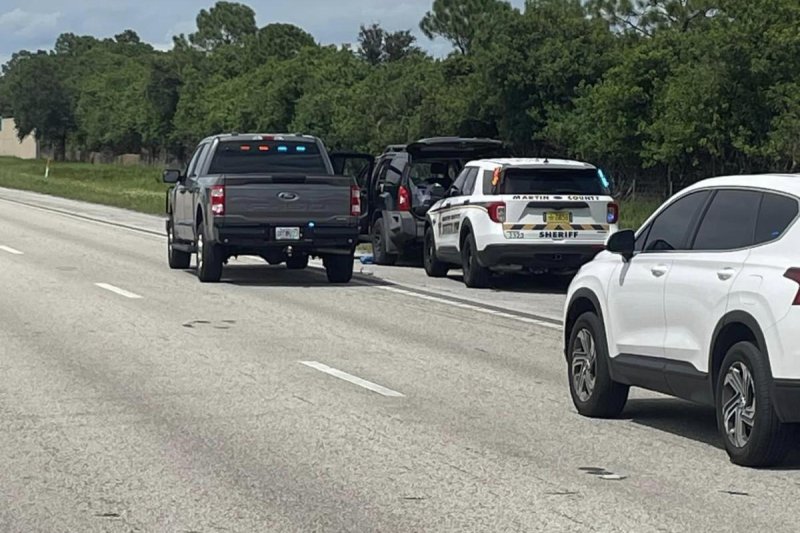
(612, 213)
(355, 201)
(497, 212)
(218, 199)
(794, 275)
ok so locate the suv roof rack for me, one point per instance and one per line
(395, 148)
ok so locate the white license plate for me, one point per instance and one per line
(287, 234)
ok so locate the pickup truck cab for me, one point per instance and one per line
(401, 184)
(271, 195)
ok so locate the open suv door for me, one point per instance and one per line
(407, 181)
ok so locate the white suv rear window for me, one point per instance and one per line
(552, 181)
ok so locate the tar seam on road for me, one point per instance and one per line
(117, 290)
(352, 379)
(10, 250)
(389, 285)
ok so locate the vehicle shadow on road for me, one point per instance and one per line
(684, 419)
(280, 276)
(523, 283)
(688, 420)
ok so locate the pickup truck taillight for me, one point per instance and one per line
(497, 212)
(794, 275)
(218, 199)
(403, 199)
(355, 201)
(612, 213)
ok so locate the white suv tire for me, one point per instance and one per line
(593, 392)
(433, 267)
(753, 434)
(476, 276)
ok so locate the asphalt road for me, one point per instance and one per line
(133, 398)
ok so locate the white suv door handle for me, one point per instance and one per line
(725, 274)
(659, 270)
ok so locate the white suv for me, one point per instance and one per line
(702, 303)
(540, 214)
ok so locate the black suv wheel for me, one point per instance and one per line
(379, 253)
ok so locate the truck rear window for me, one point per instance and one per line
(552, 181)
(266, 157)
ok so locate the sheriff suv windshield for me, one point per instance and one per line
(266, 157)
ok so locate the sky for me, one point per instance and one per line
(35, 24)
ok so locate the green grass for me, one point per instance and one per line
(634, 213)
(140, 188)
(136, 187)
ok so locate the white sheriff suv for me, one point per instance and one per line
(544, 215)
(702, 303)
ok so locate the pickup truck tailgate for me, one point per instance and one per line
(282, 199)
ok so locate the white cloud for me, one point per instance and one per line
(21, 23)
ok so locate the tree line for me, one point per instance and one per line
(650, 89)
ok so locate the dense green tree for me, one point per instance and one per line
(656, 90)
(377, 46)
(459, 21)
(278, 41)
(227, 23)
(41, 100)
(370, 44)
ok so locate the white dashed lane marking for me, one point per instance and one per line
(352, 379)
(10, 250)
(117, 290)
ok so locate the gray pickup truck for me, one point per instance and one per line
(270, 195)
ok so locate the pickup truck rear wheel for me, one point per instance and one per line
(379, 253)
(178, 260)
(297, 262)
(339, 268)
(209, 258)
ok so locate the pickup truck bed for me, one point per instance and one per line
(256, 206)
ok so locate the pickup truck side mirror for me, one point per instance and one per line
(622, 243)
(171, 176)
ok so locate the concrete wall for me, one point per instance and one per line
(11, 146)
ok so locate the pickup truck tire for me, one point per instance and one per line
(178, 260)
(297, 262)
(209, 258)
(339, 268)
(433, 267)
(379, 253)
(476, 276)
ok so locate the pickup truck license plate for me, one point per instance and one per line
(287, 234)
(563, 217)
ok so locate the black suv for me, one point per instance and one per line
(400, 185)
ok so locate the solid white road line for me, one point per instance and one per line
(117, 290)
(472, 307)
(10, 250)
(352, 379)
